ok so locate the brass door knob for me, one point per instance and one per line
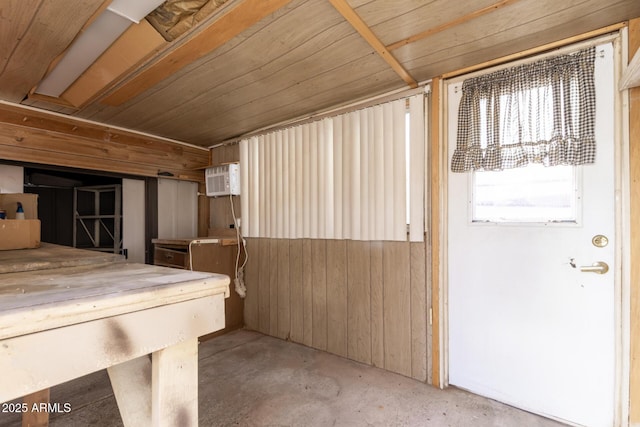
(599, 267)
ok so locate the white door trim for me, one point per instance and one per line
(623, 225)
(622, 269)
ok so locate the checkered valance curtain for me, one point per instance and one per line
(543, 112)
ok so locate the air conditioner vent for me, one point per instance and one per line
(223, 180)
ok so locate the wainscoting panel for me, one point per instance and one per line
(367, 301)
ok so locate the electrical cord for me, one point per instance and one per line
(240, 288)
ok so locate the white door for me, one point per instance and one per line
(177, 209)
(526, 326)
(133, 219)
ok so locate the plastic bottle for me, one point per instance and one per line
(20, 212)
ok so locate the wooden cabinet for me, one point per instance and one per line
(218, 255)
(177, 257)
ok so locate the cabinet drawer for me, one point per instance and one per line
(170, 258)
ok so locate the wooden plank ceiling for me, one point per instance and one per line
(254, 63)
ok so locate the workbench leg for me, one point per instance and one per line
(131, 383)
(175, 385)
(36, 418)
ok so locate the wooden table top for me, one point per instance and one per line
(88, 287)
(49, 256)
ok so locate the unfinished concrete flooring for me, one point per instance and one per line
(248, 379)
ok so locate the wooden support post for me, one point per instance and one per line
(174, 393)
(343, 7)
(36, 418)
(435, 231)
(131, 383)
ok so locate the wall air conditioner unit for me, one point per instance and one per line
(223, 180)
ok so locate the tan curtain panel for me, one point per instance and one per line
(542, 112)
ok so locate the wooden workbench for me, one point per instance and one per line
(63, 319)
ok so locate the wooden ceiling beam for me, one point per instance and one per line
(229, 25)
(447, 25)
(361, 27)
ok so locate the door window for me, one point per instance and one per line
(534, 193)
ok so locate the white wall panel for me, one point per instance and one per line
(177, 209)
(11, 179)
(133, 219)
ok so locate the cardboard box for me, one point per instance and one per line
(9, 202)
(19, 234)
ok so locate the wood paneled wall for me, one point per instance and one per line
(220, 207)
(38, 137)
(367, 301)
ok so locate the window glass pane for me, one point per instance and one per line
(530, 194)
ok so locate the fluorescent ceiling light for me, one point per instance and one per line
(93, 42)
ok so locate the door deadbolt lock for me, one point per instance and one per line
(600, 241)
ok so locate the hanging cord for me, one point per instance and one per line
(241, 289)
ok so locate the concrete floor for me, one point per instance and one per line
(248, 379)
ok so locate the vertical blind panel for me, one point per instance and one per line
(379, 173)
(273, 185)
(416, 168)
(244, 182)
(299, 208)
(313, 205)
(343, 177)
(254, 213)
(337, 179)
(279, 187)
(322, 142)
(346, 177)
(364, 175)
(388, 169)
(329, 209)
(399, 171)
(371, 176)
(286, 184)
(262, 177)
(306, 154)
(354, 155)
(292, 192)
